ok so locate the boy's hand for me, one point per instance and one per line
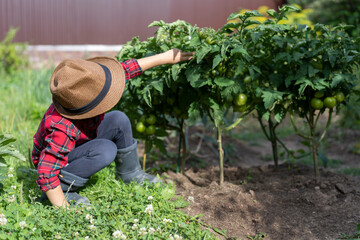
(176, 55)
(169, 57)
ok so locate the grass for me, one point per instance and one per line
(351, 171)
(24, 98)
(117, 210)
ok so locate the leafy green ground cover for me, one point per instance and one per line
(118, 211)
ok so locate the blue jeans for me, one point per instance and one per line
(113, 133)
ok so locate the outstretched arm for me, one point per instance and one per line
(169, 57)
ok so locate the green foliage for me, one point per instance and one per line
(336, 12)
(8, 150)
(279, 67)
(12, 54)
(145, 211)
(24, 98)
(350, 117)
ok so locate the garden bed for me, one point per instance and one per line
(286, 203)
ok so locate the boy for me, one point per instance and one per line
(76, 139)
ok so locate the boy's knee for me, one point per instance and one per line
(120, 119)
(106, 150)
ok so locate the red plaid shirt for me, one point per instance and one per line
(57, 136)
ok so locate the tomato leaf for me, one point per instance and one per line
(216, 61)
(304, 83)
(158, 85)
(240, 50)
(269, 97)
(289, 79)
(234, 15)
(193, 76)
(255, 36)
(338, 78)
(147, 95)
(231, 26)
(156, 24)
(223, 82)
(195, 40)
(175, 70)
(272, 13)
(194, 111)
(202, 53)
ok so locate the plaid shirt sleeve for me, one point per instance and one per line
(132, 69)
(59, 142)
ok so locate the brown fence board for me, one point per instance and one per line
(109, 21)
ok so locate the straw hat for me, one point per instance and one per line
(86, 88)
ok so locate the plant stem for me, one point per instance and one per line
(312, 126)
(326, 127)
(183, 143)
(296, 129)
(263, 128)
(179, 154)
(237, 121)
(273, 140)
(221, 155)
(144, 158)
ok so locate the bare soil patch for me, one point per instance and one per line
(258, 200)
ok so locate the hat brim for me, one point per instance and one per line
(113, 96)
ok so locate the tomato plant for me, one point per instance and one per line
(293, 69)
(272, 68)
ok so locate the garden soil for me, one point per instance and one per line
(257, 200)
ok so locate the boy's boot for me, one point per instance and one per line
(128, 166)
(69, 184)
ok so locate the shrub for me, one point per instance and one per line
(12, 54)
(334, 13)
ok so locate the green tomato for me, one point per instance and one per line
(316, 103)
(150, 130)
(210, 40)
(329, 102)
(240, 99)
(247, 79)
(339, 96)
(202, 35)
(151, 119)
(214, 72)
(140, 127)
(319, 94)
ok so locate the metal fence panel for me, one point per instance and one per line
(109, 21)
